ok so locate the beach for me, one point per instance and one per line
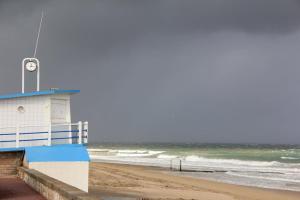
(265, 166)
(123, 180)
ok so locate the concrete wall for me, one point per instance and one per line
(50, 188)
(72, 173)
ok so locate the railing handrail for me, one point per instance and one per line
(20, 134)
(53, 124)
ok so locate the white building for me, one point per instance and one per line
(38, 113)
(39, 124)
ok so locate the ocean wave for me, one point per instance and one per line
(194, 158)
(132, 151)
(98, 150)
(95, 157)
(137, 153)
(165, 156)
(263, 177)
(289, 158)
(126, 152)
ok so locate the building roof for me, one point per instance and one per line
(59, 153)
(38, 93)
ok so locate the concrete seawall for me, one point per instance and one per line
(51, 188)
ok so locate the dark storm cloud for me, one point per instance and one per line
(194, 71)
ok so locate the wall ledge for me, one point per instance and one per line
(51, 188)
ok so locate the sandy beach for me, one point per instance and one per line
(157, 183)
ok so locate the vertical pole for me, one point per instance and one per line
(85, 132)
(180, 168)
(23, 76)
(49, 135)
(80, 132)
(171, 164)
(18, 137)
(38, 77)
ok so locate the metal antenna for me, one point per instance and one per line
(38, 35)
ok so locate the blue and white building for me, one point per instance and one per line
(39, 123)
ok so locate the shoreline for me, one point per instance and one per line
(134, 181)
(209, 174)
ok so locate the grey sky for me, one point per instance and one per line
(165, 71)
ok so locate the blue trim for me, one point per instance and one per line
(71, 131)
(28, 140)
(32, 133)
(58, 153)
(6, 134)
(64, 138)
(11, 149)
(39, 93)
(6, 141)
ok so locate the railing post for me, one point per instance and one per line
(70, 133)
(49, 135)
(17, 136)
(85, 132)
(80, 132)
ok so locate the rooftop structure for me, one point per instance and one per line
(39, 123)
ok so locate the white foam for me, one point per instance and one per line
(98, 150)
(289, 158)
(194, 158)
(263, 177)
(131, 151)
(135, 153)
(165, 156)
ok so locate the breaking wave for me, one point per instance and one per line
(289, 158)
(194, 158)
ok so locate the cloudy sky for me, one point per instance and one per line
(165, 71)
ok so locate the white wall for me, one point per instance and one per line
(72, 173)
(61, 114)
(60, 109)
(38, 111)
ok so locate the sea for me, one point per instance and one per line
(266, 166)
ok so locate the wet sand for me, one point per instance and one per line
(156, 183)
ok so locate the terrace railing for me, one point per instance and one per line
(44, 135)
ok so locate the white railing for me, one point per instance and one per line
(44, 135)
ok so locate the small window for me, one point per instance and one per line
(21, 109)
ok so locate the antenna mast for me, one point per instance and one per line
(38, 35)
